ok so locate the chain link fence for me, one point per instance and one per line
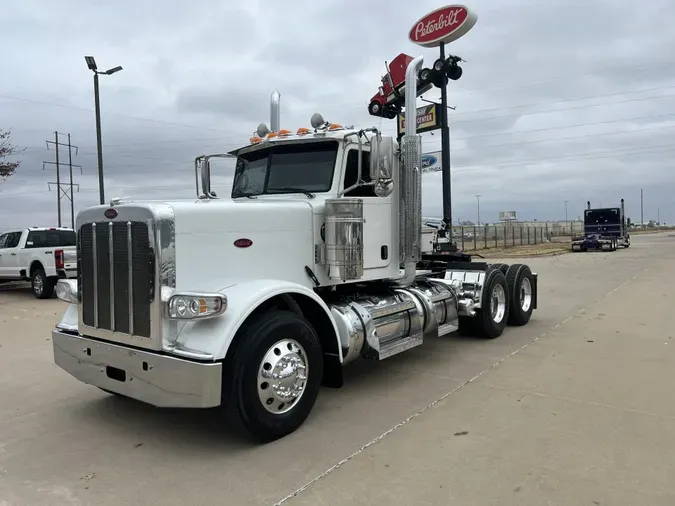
(479, 237)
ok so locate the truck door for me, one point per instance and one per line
(3, 241)
(9, 256)
(377, 231)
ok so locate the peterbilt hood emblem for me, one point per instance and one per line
(243, 243)
(110, 213)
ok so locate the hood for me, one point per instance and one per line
(220, 242)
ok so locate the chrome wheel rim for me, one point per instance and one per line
(282, 376)
(498, 303)
(525, 294)
(38, 284)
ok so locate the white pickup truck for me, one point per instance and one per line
(39, 255)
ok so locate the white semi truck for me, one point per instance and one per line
(251, 303)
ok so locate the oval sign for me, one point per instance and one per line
(243, 243)
(443, 25)
(428, 161)
(110, 213)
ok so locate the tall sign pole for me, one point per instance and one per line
(445, 150)
(437, 29)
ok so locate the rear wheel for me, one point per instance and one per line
(43, 287)
(521, 292)
(490, 320)
(500, 267)
(273, 378)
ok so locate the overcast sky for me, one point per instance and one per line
(561, 100)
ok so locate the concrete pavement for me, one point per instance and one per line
(572, 409)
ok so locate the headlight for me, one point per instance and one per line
(66, 290)
(187, 306)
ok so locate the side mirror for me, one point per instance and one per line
(205, 173)
(381, 165)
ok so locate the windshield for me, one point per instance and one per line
(286, 168)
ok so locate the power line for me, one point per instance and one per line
(461, 168)
(520, 132)
(513, 85)
(454, 122)
(493, 134)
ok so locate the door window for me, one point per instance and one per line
(13, 240)
(50, 238)
(352, 174)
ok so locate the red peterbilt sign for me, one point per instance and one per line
(442, 25)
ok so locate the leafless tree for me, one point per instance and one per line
(7, 149)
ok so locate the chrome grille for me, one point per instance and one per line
(116, 268)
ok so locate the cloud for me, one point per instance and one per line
(559, 101)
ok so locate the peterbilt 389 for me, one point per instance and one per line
(248, 304)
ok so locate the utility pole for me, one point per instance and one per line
(478, 202)
(70, 171)
(658, 216)
(642, 209)
(566, 212)
(70, 186)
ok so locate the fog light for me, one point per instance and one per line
(187, 306)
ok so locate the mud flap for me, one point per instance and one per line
(535, 290)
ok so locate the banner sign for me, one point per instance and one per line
(427, 119)
(507, 215)
(431, 162)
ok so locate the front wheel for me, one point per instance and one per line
(375, 108)
(273, 379)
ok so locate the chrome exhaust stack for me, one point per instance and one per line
(275, 111)
(410, 225)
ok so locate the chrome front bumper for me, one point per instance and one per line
(152, 378)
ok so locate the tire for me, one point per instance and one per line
(500, 267)
(521, 292)
(272, 340)
(454, 72)
(42, 286)
(390, 114)
(375, 108)
(487, 323)
(425, 76)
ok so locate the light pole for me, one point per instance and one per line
(478, 202)
(91, 64)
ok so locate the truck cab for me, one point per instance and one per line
(604, 229)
